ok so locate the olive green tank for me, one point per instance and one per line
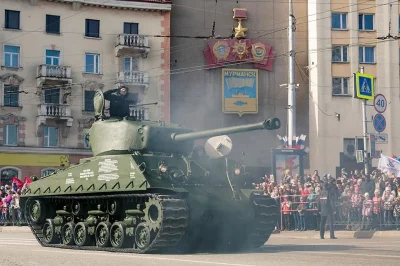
(147, 189)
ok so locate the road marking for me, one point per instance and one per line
(351, 254)
(140, 257)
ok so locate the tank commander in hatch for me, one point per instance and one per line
(119, 102)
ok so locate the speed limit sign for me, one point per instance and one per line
(380, 103)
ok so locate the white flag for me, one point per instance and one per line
(387, 164)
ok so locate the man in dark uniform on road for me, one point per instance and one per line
(326, 207)
(119, 104)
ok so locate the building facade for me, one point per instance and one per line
(199, 98)
(55, 55)
(344, 37)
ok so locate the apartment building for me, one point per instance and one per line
(345, 36)
(55, 54)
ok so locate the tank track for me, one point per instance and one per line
(173, 227)
(267, 213)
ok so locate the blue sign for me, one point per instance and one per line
(379, 122)
(240, 91)
(364, 86)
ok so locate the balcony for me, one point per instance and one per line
(134, 79)
(59, 112)
(132, 43)
(55, 110)
(138, 113)
(53, 75)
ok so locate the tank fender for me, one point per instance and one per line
(248, 192)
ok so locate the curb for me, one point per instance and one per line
(338, 234)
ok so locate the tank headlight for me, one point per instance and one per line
(163, 168)
(237, 171)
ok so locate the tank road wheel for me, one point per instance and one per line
(118, 236)
(112, 207)
(67, 234)
(102, 234)
(36, 211)
(153, 214)
(81, 234)
(142, 236)
(49, 233)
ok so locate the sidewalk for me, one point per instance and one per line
(338, 234)
(18, 229)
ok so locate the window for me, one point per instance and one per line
(53, 24)
(50, 136)
(92, 64)
(11, 56)
(367, 54)
(340, 86)
(47, 172)
(11, 96)
(131, 28)
(339, 54)
(92, 28)
(366, 22)
(52, 57)
(339, 21)
(89, 95)
(131, 64)
(6, 175)
(52, 96)
(10, 135)
(12, 20)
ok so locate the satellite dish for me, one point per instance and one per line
(219, 146)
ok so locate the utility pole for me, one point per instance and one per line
(291, 87)
(365, 131)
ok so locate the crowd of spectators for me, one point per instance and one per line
(10, 209)
(362, 202)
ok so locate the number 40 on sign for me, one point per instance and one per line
(380, 103)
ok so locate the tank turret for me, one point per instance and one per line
(127, 136)
(119, 136)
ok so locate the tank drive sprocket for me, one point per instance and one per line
(153, 214)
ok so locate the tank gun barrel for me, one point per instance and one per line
(270, 124)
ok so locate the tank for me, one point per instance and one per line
(149, 189)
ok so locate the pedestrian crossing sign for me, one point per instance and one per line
(364, 86)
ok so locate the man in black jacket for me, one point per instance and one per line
(119, 104)
(326, 207)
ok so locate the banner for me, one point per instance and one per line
(387, 164)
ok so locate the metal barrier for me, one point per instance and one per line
(11, 216)
(348, 216)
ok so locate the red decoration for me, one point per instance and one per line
(240, 13)
(231, 51)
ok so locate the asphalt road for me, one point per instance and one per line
(21, 249)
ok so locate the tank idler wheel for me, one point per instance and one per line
(112, 207)
(142, 236)
(49, 233)
(81, 234)
(37, 211)
(102, 234)
(67, 234)
(118, 236)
